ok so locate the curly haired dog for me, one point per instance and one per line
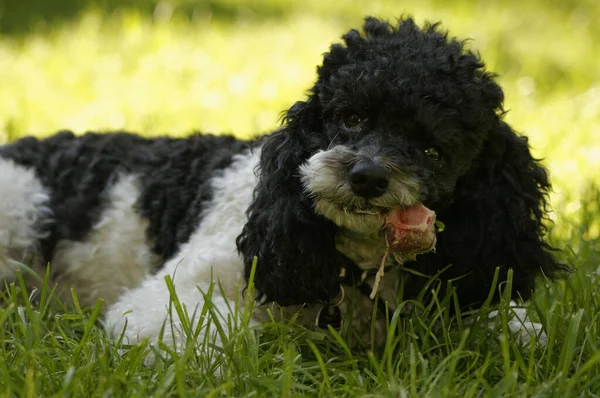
(403, 125)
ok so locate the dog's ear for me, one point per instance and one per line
(295, 248)
(498, 219)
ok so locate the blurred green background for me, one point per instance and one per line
(174, 66)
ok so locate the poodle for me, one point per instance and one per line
(337, 208)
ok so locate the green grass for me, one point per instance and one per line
(48, 351)
(233, 66)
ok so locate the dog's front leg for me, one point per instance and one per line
(177, 307)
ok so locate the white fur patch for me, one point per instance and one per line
(23, 214)
(364, 250)
(210, 255)
(116, 254)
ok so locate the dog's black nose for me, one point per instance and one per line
(368, 180)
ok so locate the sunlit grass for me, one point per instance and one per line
(233, 66)
(47, 352)
(173, 71)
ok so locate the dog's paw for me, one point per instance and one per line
(189, 324)
(521, 326)
(139, 314)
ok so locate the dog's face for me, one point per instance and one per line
(403, 113)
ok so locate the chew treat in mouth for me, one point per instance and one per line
(410, 231)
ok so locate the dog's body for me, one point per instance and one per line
(400, 118)
(111, 208)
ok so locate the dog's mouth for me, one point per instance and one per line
(364, 210)
(408, 230)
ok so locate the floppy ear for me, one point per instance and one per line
(497, 220)
(297, 259)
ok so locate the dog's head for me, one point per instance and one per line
(399, 114)
(397, 117)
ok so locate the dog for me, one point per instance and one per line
(402, 129)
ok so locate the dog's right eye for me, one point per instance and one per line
(352, 121)
(433, 154)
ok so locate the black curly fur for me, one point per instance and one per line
(174, 177)
(295, 247)
(417, 88)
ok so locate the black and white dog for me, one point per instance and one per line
(402, 125)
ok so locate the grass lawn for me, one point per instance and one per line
(174, 66)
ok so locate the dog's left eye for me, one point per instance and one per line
(433, 154)
(353, 121)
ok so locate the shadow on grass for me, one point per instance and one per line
(19, 17)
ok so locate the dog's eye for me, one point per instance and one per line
(352, 121)
(433, 154)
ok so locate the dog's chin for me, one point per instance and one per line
(363, 220)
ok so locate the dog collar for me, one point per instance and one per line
(353, 276)
(356, 277)
(330, 314)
